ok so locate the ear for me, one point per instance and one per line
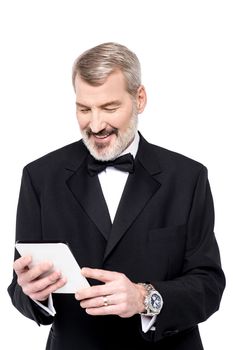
(141, 99)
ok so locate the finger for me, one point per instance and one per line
(21, 264)
(100, 275)
(105, 310)
(35, 272)
(96, 302)
(93, 292)
(121, 310)
(44, 294)
(42, 283)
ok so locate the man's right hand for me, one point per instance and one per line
(33, 281)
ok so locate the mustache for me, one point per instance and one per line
(103, 132)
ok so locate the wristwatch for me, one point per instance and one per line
(153, 301)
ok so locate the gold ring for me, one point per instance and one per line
(105, 301)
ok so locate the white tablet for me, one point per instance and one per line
(61, 257)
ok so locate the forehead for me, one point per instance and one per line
(114, 88)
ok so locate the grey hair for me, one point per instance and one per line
(96, 64)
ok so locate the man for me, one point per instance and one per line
(139, 219)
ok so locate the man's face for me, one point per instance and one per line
(107, 115)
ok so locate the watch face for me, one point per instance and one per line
(155, 302)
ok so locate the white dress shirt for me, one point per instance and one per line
(112, 183)
(113, 180)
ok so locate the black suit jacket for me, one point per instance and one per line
(162, 233)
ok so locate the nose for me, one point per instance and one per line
(96, 122)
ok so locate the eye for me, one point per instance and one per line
(84, 110)
(110, 110)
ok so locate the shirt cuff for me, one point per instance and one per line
(147, 323)
(50, 308)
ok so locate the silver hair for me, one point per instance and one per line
(96, 64)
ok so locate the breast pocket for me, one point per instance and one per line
(166, 247)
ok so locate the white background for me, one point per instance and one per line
(186, 52)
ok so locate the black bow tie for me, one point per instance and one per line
(123, 163)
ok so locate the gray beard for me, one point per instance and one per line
(123, 140)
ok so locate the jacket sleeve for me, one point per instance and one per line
(28, 228)
(195, 295)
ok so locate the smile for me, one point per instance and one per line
(102, 136)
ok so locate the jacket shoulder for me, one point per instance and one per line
(68, 156)
(172, 157)
(171, 162)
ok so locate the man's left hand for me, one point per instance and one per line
(117, 296)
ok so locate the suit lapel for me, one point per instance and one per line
(87, 191)
(140, 187)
